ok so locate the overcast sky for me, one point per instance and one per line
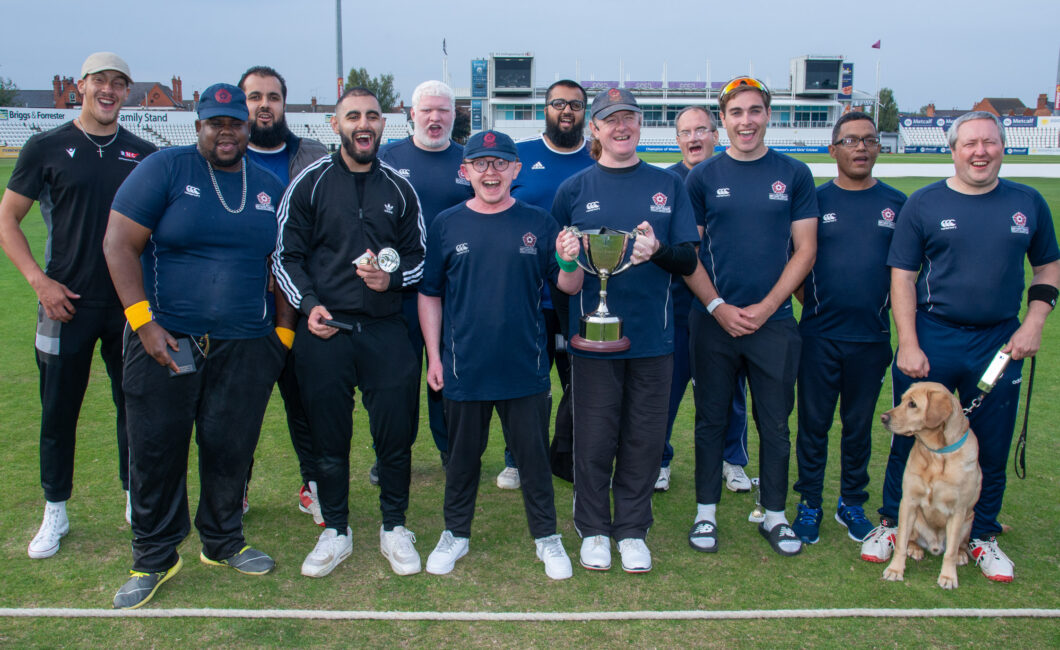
(949, 54)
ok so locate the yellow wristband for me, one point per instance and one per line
(139, 314)
(286, 336)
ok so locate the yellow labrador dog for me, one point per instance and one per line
(941, 482)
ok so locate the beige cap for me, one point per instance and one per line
(101, 61)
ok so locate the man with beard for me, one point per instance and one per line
(353, 335)
(551, 158)
(274, 147)
(74, 171)
(430, 160)
(696, 135)
(189, 257)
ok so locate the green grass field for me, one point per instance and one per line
(499, 574)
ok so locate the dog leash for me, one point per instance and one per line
(1019, 460)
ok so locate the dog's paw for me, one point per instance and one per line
(915, 552)
(894, 575)
(948, 581)
(962, 557)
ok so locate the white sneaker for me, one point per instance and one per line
(550, 551)
(444, 556)
(331, 549)
(508, 479)
(735, 478)
(662, 484)
(128, 507)
(52, 529)
(991, 559)
(596, 553)
(879, 545)
(636, 558)
(397, 546)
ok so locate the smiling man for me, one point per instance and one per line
(74, 171)
(353, 333)
(188, 246)
(430, 160)
(846, 334)
(969, 235)
(487, 262)
(749, 194)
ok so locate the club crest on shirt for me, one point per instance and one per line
(829, 218)
(528, 247)
(265, 203)
(888, 218)
(658, 203)
(461, 179)
(779, 191)
(1020, 224)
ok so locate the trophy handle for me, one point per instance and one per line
(629, 236)
(590, 269)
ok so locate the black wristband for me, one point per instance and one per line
(1044, 292)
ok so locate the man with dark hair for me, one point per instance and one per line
(487, 261)
(957, 278)
(189, 257)
(274, 147)
(696, 136)
(430, 160)
(551, 158)
(846, 338)
(74, 171)
(353, 333)
(744, 320)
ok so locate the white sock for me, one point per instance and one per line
(706, 511)
(775, 517)
(313, 487)
(56, 505)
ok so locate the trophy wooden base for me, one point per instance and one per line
(579, 342)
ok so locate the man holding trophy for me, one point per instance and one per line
(622, 361)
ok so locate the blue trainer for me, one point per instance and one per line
(808, 524)
(854, 519)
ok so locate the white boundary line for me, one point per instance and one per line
(352, 615)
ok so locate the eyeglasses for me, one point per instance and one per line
(482, 164)
(701, 131)
(743, 81)
(851, 142)
(575, 105)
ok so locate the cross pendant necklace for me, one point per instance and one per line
(99, 147)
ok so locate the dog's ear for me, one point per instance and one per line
(939, 408)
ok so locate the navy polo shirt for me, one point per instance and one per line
(969, 249)
(435, 175)
(845, 296)
(489, 270)
(205, 270)
(746, 209)
(621, 199)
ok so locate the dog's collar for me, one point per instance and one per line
(948, 448)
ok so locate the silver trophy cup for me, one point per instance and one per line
(605, 254)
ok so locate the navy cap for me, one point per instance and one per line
(491, 143)
(223, 100)
(613, 100)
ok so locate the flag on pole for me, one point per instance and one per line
(876, 45)
(447, 54)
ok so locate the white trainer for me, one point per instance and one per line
(54, 526)
(331, 549)
(128, 507)
(636, 558)
(735, 478)
(508, 479)
(879, 545)
(596, 553)
(991, 559)
(550, 551)
(444, 556)
(397, 546)
(662, 484)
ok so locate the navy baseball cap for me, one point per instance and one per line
(490, 143)
(223, 100)
(613, 100)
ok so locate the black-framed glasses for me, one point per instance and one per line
(575, 105)
(482, 164)
(851, 142)
(743, 81)
(700, 131)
